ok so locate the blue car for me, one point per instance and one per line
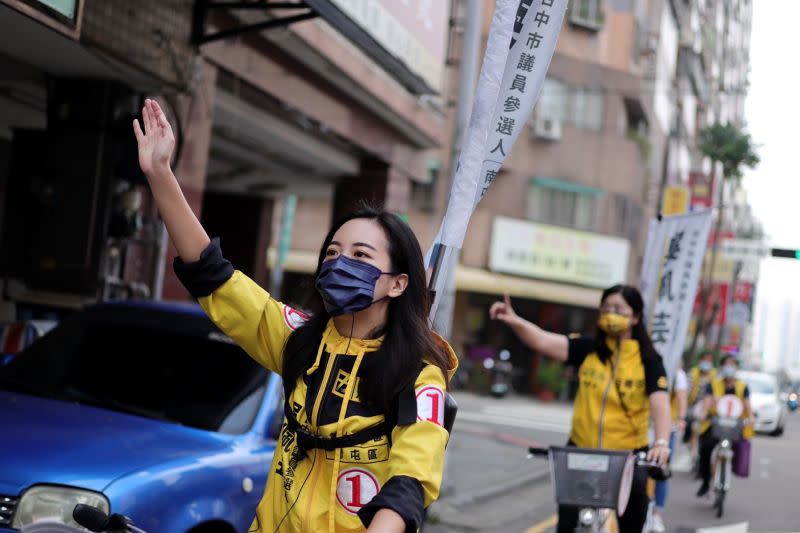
(138, 408)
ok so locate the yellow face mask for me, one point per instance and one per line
(613, 324)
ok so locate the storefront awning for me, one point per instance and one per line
(364, 37)
(475, 280)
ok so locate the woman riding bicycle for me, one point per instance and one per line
(363, 437)
(699, 377)
(622, 383)
(726, 384)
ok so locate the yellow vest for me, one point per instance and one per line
(673, 405)
(600, 418)
(718, 391)
(698, 382)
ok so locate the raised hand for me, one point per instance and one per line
(156, 142)
(503, 311)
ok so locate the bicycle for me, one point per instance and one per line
(594, 480)
(726, 430)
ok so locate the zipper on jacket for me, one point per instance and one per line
(323, 386)
(315, 425)
(605, 397)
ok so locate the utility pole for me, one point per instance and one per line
(468, 72)
(284, 242)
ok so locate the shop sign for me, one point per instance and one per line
(414, 31)
(60, 15)
(676, 200)
(65, 8)
(547, 252)
(701, 187)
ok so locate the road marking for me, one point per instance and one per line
(730, 528)
(466, 427)
(544, 525)
(527, 423)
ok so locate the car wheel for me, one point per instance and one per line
(778, 431)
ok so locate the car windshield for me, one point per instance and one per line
(760, 386)
(164, 368)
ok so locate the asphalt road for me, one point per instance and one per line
(492, 486)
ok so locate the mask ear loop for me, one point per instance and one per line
(387, 297)
(352, 328)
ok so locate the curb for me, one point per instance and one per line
(488, 493)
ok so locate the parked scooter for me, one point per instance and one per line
(501, 370)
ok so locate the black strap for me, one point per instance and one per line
(407, 405)
(406, 414)
(308, 441)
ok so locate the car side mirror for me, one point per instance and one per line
(276, 422)
(275, 426)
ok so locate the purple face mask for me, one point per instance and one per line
(347, 285)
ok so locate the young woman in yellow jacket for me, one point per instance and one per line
(622, 385)
(363, 439)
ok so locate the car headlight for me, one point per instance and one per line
(770, 409)
(47, 501)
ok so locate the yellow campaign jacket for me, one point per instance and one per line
(324, 490)
(673, 402)
(717, 392)
(697, 382)
(601, 417)
(673, 405)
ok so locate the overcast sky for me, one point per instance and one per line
(773, 116)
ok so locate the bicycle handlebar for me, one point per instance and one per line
(654, 469)
(541, 452)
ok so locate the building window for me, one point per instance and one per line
(587, 109)
(423, 193)
(587, 14)
(580, 106)
(553, 100)
(628, 217)
(563, 203)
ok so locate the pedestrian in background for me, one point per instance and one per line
(679, 404)
(699, 377)
(725, 384)
(622, 384)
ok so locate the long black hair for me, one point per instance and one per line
(408, 338)
(632, 297)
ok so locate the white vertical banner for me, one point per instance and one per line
(522, 39)
(673, 259)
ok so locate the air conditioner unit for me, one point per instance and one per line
(649, 68)
(648, 43)
(546, 128)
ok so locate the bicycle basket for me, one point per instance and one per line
(588, 477)
(723, 428)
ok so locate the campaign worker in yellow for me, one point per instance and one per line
(363, 439)
(622, 384)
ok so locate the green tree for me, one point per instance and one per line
(734, 150)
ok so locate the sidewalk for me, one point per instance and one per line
(487, 463)
(481, 471)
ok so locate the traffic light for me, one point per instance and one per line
(784, 252)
